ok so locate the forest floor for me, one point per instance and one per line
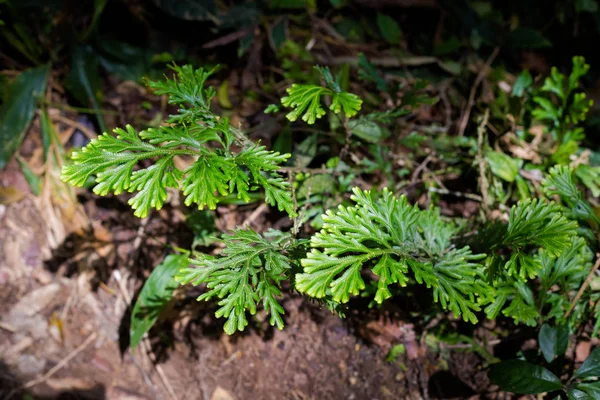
(64, 322)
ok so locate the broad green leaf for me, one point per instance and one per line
(522, 83)
(521, 377)
(527, 38)
(576, 394)
(503, 166)
(84, 80)
(367, 130)
(389, 28)
(18, 108)
(155, 295)
(553, 341)
(591, 389)
(591, 366)
(316, 184)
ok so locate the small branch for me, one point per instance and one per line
(483, 182)
(347, 140)
(240, 137)
(471, 102)
(584, 286)
(457, 194)
(57, 367)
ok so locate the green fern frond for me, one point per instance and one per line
(561, 182)
(391, 238)
(539, 223)
(249, 270)
(305, 100)
(186, 87)
(218, 170)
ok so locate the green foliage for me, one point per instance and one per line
(305, 100)
(561, 182)
(155, 295)
(523, 377)
(249, 270)
(18, 108)
(553, 341)
(562, 108)
(195, 131)
(391, 238)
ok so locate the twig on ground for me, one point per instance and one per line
(470, 196)
(57, 367)
(7, 327)
(471, 102)
(137, 242)
(298, 219)
(85, 130)
(483, 182)
(259, 210)
(586, 283)
(420, 168)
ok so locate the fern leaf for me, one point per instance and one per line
(535, 222)
(391, 238)
(561, 182)
(250, 268)
(305, 100)
(114, 159)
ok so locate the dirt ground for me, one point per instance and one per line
(65, 301)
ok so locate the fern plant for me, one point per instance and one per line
(399, 243)
(219, 169)
(379, 239)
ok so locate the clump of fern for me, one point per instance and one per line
(224, 160)
(380, 238)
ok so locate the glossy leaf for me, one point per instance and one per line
(553, 341)
(523, 378)
(591, 366)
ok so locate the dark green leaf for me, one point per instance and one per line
(527, 38)
(553, 341)
(503, 166)
(155, 295)
(591, 366)
(523, 378)
(592, 389)
(84, 80)
(389, 28)
(576, 394)
(523, 82)
(367, 130)
(18, 109)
